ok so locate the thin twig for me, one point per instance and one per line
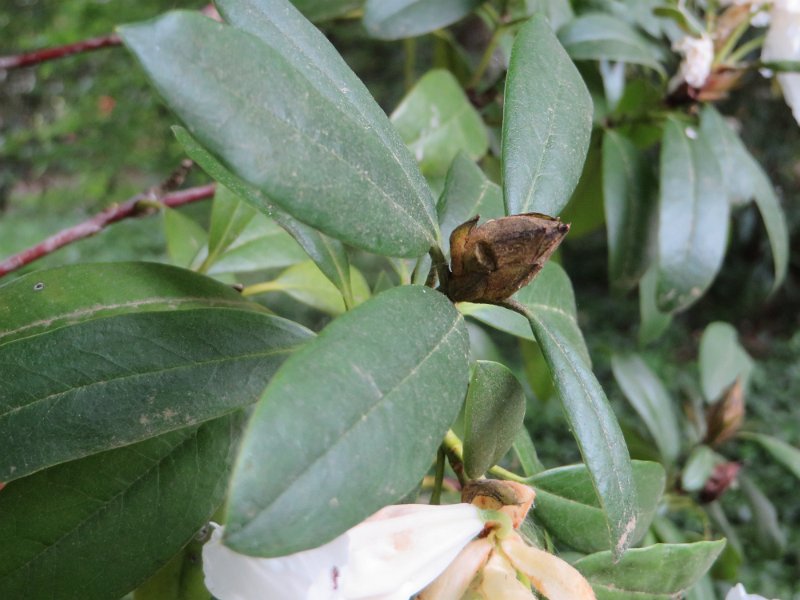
(140, 205)
(36, 57)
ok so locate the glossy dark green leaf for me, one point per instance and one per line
(307, 284)
(186, 239)
(467, 192)
(493, 414)
(329, 254)
(651, 401)
(770, 535)
(317, 11)
(599, 36)
(629, 203)
(74, 391)
(550, 305)
(787, 455)
(722, 360)
(693, 217)
(744, 178)
(566, 503)
(397, 19)
(547, 121)
(698, 468)
(96, 528)
(659, 572)
(437, 121)
(323, 452)
(45, 300)
(652, 322)
(182, 578)
(304, 131)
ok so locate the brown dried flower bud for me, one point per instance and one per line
(490, 262)
(720, 480)
(724, 418)
(510, 497)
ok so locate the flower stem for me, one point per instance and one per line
(436, 493)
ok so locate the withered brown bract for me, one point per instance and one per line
(491, 262)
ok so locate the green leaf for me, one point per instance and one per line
(653, 322)
(499, 318)
(722, 360)
(263, 244)
(629, 205)
(328, 253)
(693, 217)
(526, 453)
(770, 535)
(598, 36)
(787, 455)
(304, 131)
(182, 578)
(185, 237)
(566, 503)
(651, 401)
(230, 216)
(317, 11)
(397, 19)
(744, 178)
(547, 122)
(467, 192)
(584, 212)
(558, 12)
(73, 391)
(45, 300)
(698, 468)
(658, 572)
(96, 528)
(550, 305)
(307, 284)
(437, 121)
(389, 378)
(493, 414)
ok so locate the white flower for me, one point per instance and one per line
(783, 43)
(698, 53)
(739, 593)
(390, 556)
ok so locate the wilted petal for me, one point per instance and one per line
(455, 580)
(401, 549)
(698, 53)
(550, 575)
(500, 581)
(310, 574)
(739, 593)
(783, 43)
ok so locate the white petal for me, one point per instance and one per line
(310, 575)
(453, 583)
(550, 575)
(698, 55)
(739, 593)
(401, 549)
(783, 43)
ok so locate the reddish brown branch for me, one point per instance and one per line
(39, 56)
(139, 205)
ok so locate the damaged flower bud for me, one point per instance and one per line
(491, 262)
(724, 418)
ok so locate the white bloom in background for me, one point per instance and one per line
(783, 43)
(698, 53)
(390, 556)
(739, 593)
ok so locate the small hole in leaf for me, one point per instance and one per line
(38, 287)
